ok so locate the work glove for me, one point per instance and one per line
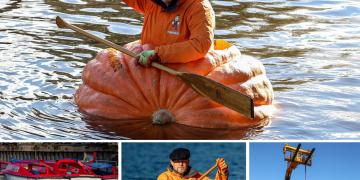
(223, 167)
(146, 57)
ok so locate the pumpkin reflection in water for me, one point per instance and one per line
(143, 129)
(114, 87)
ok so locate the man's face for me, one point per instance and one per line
(167, 2)
(180, 165)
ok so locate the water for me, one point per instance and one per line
(154, 158)
(310, 50)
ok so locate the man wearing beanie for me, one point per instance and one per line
(179, 168)
(181, 30)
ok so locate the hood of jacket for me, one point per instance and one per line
(190, 172)
(172, 6)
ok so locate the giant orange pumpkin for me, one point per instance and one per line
(114, 87)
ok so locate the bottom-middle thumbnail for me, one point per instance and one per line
(162, 161)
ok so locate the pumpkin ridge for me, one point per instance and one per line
(171, 102)
(181, 92)
(114, 74)
(188, 90)
(132, 74)
(185, 110)
(112, 95)
(131, 77)
(164, 95)
(150, 88)
(134, 79)
(226, 58)
(157, 91)
(87, 103)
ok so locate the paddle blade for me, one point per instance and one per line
(59, 22)
(219, 93)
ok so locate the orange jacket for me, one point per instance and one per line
(181, 36)
(170, 174)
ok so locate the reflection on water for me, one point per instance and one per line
(143, 129)
(310, 50)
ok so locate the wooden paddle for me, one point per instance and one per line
(205, 86)
(209, 171)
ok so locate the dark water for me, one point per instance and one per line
(149, 160)
(310, 50)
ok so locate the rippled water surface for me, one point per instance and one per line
(310, 50)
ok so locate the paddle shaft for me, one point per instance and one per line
(209, 171)
(205, 86)
(61, 23)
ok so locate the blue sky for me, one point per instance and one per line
(330, 161)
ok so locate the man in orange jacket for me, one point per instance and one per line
(179, 167)
(182, 30)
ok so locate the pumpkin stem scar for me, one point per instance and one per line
(162, 116)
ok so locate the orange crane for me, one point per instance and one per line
(296, 156)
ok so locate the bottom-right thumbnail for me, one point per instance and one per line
(304, 160)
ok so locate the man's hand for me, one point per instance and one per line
(222, 166)
(146, 57)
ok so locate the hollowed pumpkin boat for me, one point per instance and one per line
(114, 87)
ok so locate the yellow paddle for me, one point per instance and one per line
(205, 86)
(209, 171)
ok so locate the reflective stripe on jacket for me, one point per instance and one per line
(180, 36)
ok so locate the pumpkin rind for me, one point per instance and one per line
(137, 92)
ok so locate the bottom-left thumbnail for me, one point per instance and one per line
(54, 160)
